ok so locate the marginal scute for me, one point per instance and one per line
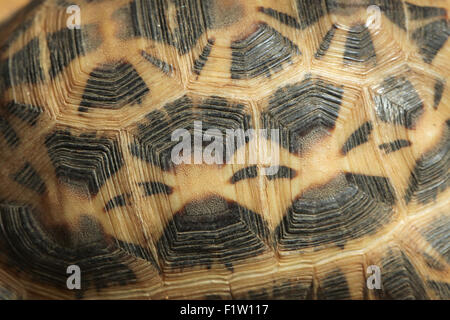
(44, 255)
(281, 17)
(8, 294)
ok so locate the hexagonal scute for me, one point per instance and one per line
(205, 225)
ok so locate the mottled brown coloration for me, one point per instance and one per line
(362, 105)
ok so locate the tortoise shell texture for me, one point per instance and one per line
(357, 90)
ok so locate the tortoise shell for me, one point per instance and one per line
(352, 96)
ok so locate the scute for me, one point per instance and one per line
(353, 96)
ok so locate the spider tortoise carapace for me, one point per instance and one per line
(357, 89)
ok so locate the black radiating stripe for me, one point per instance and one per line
(25, 112)
(281, 16)
(283, 173)
(424, 12)
(10, 135)
(44, 254)
(334, 286)
(246, 173)
(117, 201)
(394, 10)
(326, 42)
(162, 65)
(394, 145)
(378, 188)
(431, 38)
(310, 11)
(438, 91)
(359, 46)
(433, 262)
(30, 178)
(358, 137)
(430, 175)
(152, 188)
(200, 62)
